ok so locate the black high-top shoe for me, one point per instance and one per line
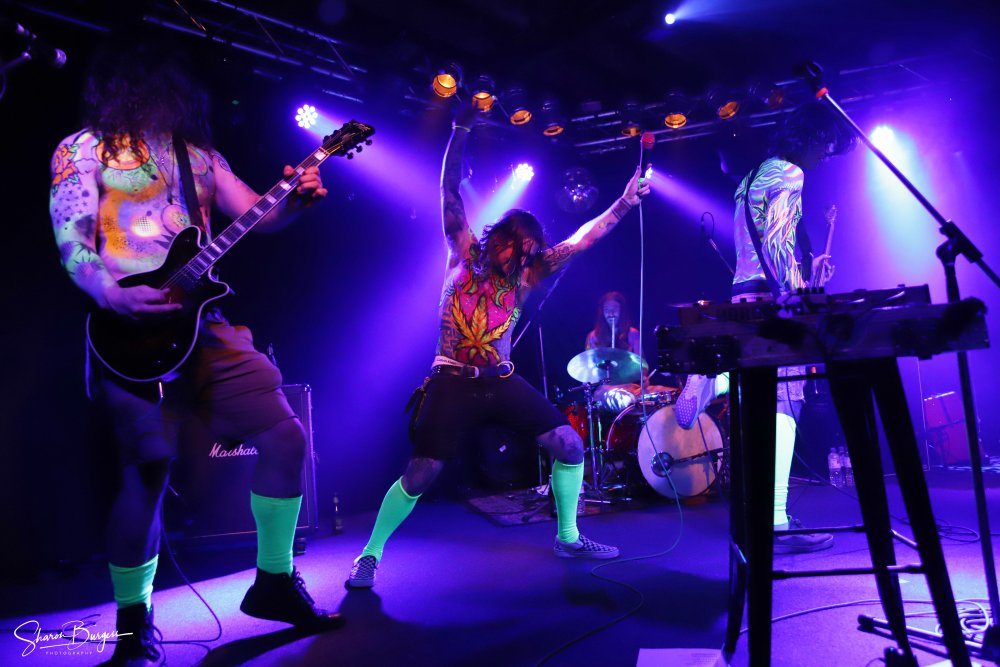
(137, 638)
(283, 597)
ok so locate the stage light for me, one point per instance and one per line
(725, 104)
(678, 106)
(630, 120)
(669, 19)
(728, 109)
(884, 138)
(306, 116)
(447, 80)
(770, 95)
(482, 93)
(516, 105)
(553, 123)
(523, 172)
(649, 173)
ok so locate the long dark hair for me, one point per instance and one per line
(135, 91)
(515, 225)
(601, 328)
(812, 125)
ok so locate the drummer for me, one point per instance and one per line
(613, 329)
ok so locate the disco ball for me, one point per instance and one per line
(578, 194)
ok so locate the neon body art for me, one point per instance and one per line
(114, 219)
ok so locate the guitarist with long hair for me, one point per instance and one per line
(117, 202)
(768, 211)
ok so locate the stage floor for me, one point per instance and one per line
(456, 589)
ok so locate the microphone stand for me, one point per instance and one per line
(956, 243)
(711, 241)
(542, 484)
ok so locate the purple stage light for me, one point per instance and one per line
(523, 173)
(669, 19)
(306, 116)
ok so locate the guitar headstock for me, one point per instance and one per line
(350, 137)
(830, 213)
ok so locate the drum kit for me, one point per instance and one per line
(643, 436)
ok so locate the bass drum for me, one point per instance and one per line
(669, 457)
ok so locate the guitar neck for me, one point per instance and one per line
(238, 228)
(829, 238)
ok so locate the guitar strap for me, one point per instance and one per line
(187, 182)
(755, 237)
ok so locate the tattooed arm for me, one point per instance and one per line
(457, 232)
(234, 197)
(74, 202)
(590, 232)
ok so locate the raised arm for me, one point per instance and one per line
(233, 197)
(590, 232)
(457, 233)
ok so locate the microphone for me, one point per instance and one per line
(661, 464)
(37, 49)
(646, 142)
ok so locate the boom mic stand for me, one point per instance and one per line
(711, 241)
(956, 243)
(542, 483)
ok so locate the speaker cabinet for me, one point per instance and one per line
(209, 494)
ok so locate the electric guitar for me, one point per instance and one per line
(154, 348)
(826, 269)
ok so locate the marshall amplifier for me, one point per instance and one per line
(209, 494)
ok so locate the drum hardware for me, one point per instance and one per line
(593, 368)
(673, 461)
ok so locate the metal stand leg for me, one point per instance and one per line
(852, 395)
(737, 526)
(757, 391)
(884, 377)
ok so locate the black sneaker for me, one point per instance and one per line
(283, 597)
(137, 638)
(800, 543)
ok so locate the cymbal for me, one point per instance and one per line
(617, 365)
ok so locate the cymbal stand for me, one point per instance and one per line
(593, 425)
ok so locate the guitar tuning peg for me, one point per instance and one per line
(368, 142)
(358, 149)
(350, 156)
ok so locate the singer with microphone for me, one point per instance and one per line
(768, 211)
(472, 381)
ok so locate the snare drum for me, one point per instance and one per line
(669, 457)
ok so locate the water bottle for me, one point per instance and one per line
(833, 463)
(846, 471)
(338, 522)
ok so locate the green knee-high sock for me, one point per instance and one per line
(396, 506)
(784, 451)
(566, 483)
(133, 585)
(275, 519)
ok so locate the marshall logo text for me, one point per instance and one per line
(218, 452)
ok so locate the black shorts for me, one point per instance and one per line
(234, 389)
(455, 407)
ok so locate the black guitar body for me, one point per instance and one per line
(155, 348)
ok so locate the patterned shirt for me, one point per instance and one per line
(776, 207)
